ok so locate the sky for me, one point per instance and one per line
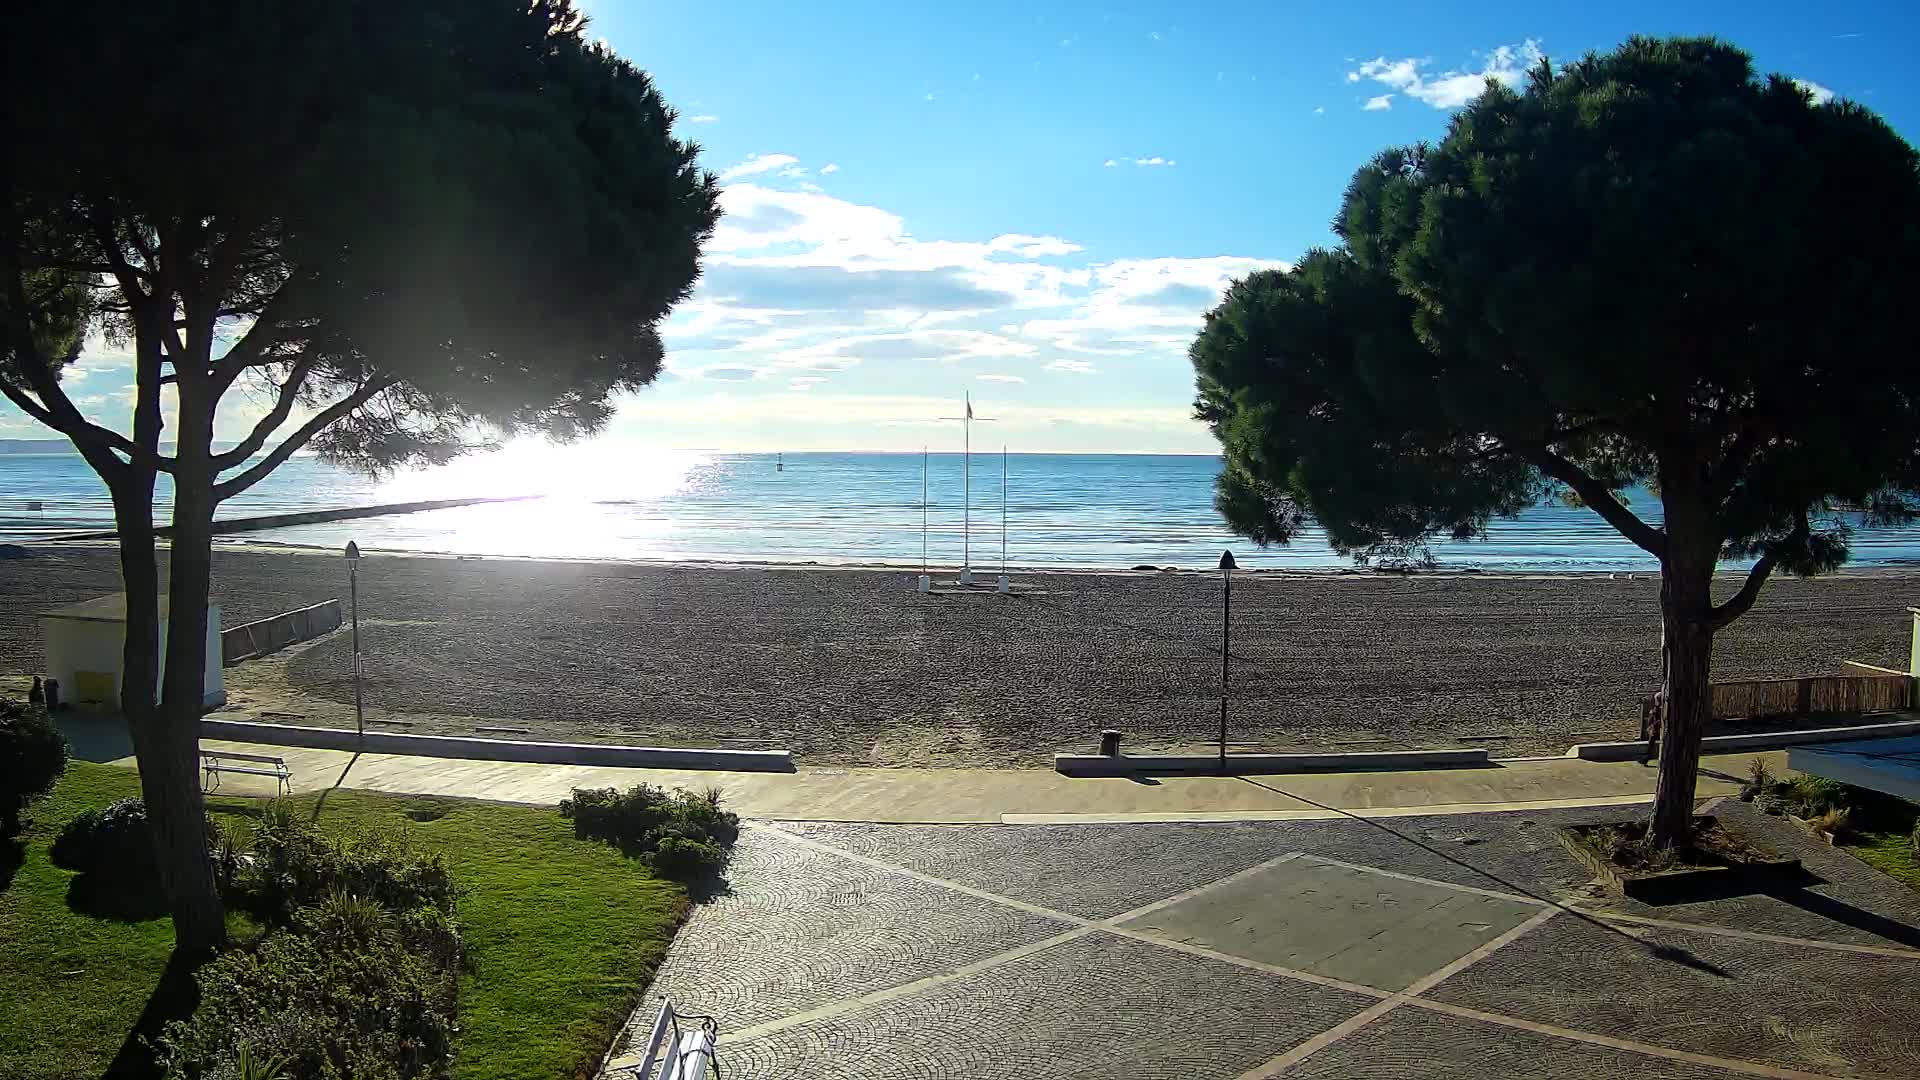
(1035, 203)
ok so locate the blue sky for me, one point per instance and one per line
(1035, 202)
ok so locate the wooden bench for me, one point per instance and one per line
(215, 762)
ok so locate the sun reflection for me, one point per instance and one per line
(583, 496)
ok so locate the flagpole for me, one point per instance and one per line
(966, 489)
(925, 581)
(1003, 517)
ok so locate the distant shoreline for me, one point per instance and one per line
(982, 572)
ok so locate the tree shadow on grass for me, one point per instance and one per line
(13, 852)
(107, 896)
(173, 998)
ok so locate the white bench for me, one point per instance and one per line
(215, 762)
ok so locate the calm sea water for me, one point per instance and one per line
(1061, 510)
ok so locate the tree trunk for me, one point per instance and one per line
(1686, 661)
(174, 802)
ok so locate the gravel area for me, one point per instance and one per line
(853, 667)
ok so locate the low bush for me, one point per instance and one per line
(33, 755)
(1834, 821)
(684, 859)
(684, 835)
(357, 976)
(339, 997)
(116, 842)
(294, 866)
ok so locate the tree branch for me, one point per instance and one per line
(229, 488)
(270, 423)
(1599, 499)
(1739, 603)
(54, 409)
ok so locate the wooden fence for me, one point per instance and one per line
(1753, 699)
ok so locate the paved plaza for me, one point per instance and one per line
(1468, 946)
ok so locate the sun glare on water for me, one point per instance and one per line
(582, 496)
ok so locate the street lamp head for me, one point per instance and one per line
(1226, 561)
(353, 551)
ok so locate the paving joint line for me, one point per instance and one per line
(1750, 1068)
(1385, 1002)
(1752, 935)
(1107, 925)
(1378, 1009)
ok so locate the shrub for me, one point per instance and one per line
(684, 835)
(325, 1002)
(115, 842)
(294, 866)
(1913, 840)
(1833, 821)
(1814, 795)
(684, 859)
(357, 977)
(33, 755)
(1760, 779)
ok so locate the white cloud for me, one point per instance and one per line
(829, 169)
(758, 163)
(1450, 89)
(1319, 110)
(805, 382)
(1109, 163)
(1821, 95)
(1154, 161)
(1378, 104)
(991, 376)
(1071, 366)
(703, 118)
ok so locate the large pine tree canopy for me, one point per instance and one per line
(1649, 266)
(459, 213)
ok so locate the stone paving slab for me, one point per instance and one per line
(1409, 1043)
(1782, 1005)
(1096, 1007)
(1340, 921)
(821, 964)
(802, 928)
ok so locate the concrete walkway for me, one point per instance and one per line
(957, 796)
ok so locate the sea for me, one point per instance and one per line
(1026, 510)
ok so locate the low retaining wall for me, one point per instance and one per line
(276, 632)
(1767, 740)
(1266, 764)
(454, 746)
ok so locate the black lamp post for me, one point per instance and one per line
(1227, 567)
(353, 587)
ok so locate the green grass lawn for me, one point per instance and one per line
(1890, 853)
(563, 934)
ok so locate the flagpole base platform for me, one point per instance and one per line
(925, 583)
(1004, 585)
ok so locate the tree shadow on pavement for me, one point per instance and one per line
(1659, 950)
(321, 803)
(1846, 914)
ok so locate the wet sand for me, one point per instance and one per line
(852, 667)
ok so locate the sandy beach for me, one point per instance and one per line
(852, 667)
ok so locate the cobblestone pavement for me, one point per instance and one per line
(1446, 947)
